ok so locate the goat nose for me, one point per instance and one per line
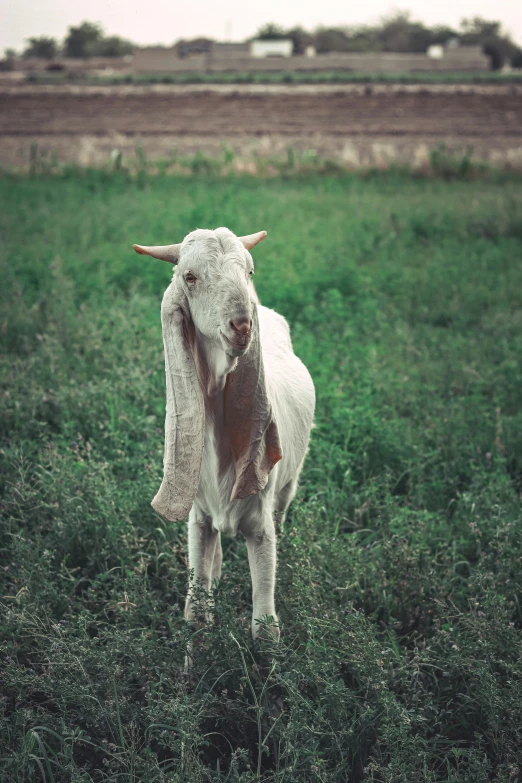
(243, 325)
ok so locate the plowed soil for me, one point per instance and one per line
(85, 123)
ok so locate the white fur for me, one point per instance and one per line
(222, 291)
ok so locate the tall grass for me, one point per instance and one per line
(400, 567)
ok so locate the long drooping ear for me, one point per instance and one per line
(250, 240)
(168, 253)
(185, 416)
(249, 421)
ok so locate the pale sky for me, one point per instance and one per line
(161, 21)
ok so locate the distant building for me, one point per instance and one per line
(225, 49)
(193, 48)
(203, 56)
(436, 52)
(272, 48)
(232, 52)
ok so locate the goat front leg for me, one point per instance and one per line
(218, 561)
(262, 559)
(202, 540)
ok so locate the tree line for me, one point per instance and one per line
(87, 39)
(401, 33)
(396, 33)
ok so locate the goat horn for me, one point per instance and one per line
(168, 253)
(251, 240)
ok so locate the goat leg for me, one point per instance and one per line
(262, 558)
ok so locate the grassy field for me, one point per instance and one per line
(400, 566)
(279, 77)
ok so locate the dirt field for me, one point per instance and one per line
(355, 124)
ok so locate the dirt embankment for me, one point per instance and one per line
(355, 124)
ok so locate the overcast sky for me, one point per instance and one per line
(164, 21)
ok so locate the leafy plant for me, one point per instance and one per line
(399, 578)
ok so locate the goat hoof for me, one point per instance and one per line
(266, 628)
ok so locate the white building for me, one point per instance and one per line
(272, 48)
(436, 52)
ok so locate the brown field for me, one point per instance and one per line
(354, 124)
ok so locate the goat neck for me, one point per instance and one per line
(213, 366)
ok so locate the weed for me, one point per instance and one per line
(400, 571)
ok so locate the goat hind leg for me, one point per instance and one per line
(282, 501)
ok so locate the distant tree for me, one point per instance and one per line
(113, 46)
(479, 28)
(400, 33)
(363, 39)
(516, 58)
(8, 61)
(43, 47)
(301, 39)
(441, 34)
(496, 44)
(496, 55)
(394, 32)
(89, 40)
(331, 39)
(82, 40)
(270, 31)
(420, 38)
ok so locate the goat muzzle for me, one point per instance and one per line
(241, 325)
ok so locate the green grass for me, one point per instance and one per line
(400, 566)
(280, 77)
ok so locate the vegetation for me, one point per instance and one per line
(277, 77)
(400, 568)
(89, 40)
(499, 46)
(42, 46)
(82, 40)
(400, 33)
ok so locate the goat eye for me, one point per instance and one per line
(190, 278)
(251, 273)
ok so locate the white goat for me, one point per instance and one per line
(240, 407)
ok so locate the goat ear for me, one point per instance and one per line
(185, 416)
(250, 422)
(250, 240)
(168, 253)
